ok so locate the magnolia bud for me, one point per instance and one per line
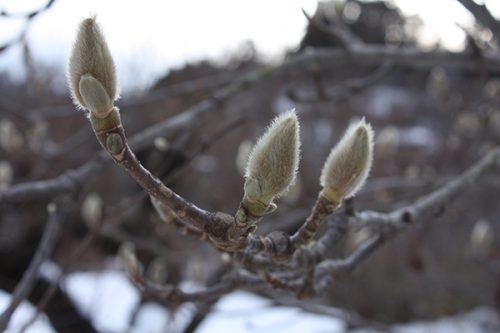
(6, 175)
(167, 215)
(91, 71)
(127, 254)
(481, 238)
(274, 160)
(157, 271)
(162, 144)
(347, 167)
(11, 139)
(91, 210)
(356, 238)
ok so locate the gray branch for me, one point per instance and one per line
(45, 248)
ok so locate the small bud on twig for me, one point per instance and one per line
(157, 271)
(481, 238)
(6, 175)
(272, 164)
(127, 254)
(166, 214)
(92, 209)
(347, 167)
(11, 139)
(91, 71)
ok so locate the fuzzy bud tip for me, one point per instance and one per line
(349, 163)
(273, 162)
(91, 70)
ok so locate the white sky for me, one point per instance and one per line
(148, 37)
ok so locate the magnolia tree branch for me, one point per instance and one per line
(432, 205)
(70, 181)
(28, 17)
(339, 32)
(277, 260)
(69, 264)
(270, 170)
(387, 225)
(313, 273)
(483, 16)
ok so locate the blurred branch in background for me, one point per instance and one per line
(42, 253)
(28, 17)
(483, 16)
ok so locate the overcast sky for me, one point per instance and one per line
(148, 37)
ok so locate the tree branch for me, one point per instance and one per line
(389, 224)
(196, 115)
(45, 248)
(483, 16)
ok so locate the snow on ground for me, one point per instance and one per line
(247, 313)
(23, 313)
(110, 299)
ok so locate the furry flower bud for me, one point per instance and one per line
(130, 261)
(91, 71)
(348, 165)
(273, 162)
(481, 238)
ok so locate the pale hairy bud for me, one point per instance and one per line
(91, 58)
(38, 135)
(162, 144)
(11, 139)
(51, 208)
(273, 162)
(356, 238)
(166, 214)
(127, 254)
(481, 238)
(157, 271)
(348, 165)
(91, 210)
(6, 175)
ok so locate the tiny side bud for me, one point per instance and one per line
(349, 163)
(481, 238)
(127, 254)
(92, 210)
(166, 214)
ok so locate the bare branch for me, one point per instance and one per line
(336, 30)
(483, 16)
(196, 115)
(28, 17)
(387, 225)
(45, 248)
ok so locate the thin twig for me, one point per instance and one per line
(389, 224)
(337, 30)
(28, 17)
(483, 16)
(43, 251)
(71, 262)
